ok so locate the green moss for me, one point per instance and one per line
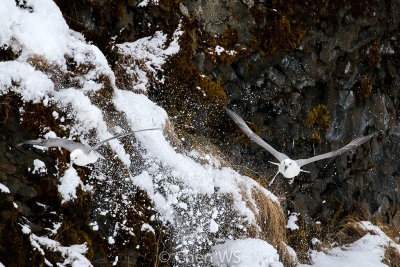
(229, 41)
(318, 119)
(212, 91)
(373, 54)
(319, 116)
(275, 31)
(365, 88)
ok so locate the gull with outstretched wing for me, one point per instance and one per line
(288, 167)
(80, 154)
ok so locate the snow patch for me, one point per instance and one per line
(145, 3)
(291, 224)
(148, 54)
(213, 226)
(244, 253)
(69, 182)
(4, 189)
(147, 227)
(39, 167)
(111, 240)
(368, 251)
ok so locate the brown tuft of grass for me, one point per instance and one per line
(360, 211)
(271, 221)
(392, 257)
(8, 103)
(270, 217)
(391, 231)
(205, 147)
(349, 231)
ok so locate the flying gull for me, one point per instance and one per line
(80, 154)
(288, 167)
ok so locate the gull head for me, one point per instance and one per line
(81, 158)
(289, 168)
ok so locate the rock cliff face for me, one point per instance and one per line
(341, 55)
(308, 76)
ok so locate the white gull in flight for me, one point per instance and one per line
(80, 154)
(288, 167)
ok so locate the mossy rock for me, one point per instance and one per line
(276, 31)
(318, 120)
(365, 88)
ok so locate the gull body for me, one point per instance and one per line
(288, 167)
(80, 158)
(81, 154)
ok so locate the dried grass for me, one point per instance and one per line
(392, 257)
(361, 212)
(8, 103)
(349, 231)
(270, 220)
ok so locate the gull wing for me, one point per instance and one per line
(57, 142)
(243, 126)
(356, 142)
(122, 135)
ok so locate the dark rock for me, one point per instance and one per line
(14, 184)
(8, 168)
(3, 177)
(26, 192)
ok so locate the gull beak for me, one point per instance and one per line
(286, 167)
